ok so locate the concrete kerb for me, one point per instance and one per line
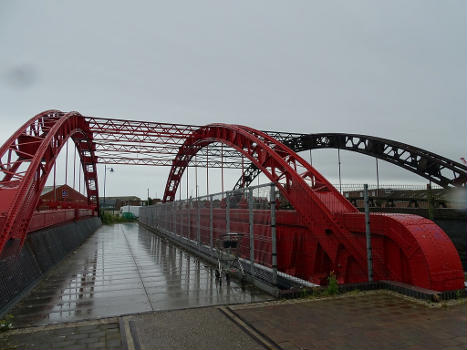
(249, 329)
(50, 327)
(397, 287)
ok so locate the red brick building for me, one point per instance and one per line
(62, 193)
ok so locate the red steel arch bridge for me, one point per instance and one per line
(414, 249)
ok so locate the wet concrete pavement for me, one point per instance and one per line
(125, 269)
(128, 271)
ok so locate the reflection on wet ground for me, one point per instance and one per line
(124, 269)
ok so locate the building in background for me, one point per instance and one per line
(115, 203)
(62, 195)
(404, 197)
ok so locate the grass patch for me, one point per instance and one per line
(110, 219)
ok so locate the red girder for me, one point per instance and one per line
(139, 131)
(407, 248)
(325, 213)
(152, 161)
(139, 137)
(27, 158)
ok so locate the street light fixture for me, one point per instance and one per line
(105, 178)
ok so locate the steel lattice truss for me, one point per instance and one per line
(119, 141)
(334, 227)
(150, 143)
(440, 170)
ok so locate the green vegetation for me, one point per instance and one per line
(110, 219)
(6, 323)
(333, 287)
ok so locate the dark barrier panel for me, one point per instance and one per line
(42, 250)
(457, 231)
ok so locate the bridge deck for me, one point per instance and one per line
(125, 269)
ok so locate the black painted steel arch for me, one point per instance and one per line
(439, 170)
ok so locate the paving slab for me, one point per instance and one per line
(373, 320)
(98, 334)
(369, 320)
(197, 329)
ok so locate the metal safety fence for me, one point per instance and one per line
(275, 245)
(203, 222)
(283, 246)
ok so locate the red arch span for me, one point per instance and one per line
(409, 251)
(27, 158)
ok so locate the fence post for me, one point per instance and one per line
(273, 234)
(368, 233)
(431, 202)
(198, 232)
(174, 217)
(227, 212)
(211, 223)
(252, 232)
(189, 218)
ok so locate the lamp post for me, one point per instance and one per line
(105, 179)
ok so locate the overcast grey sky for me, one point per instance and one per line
(394, 69)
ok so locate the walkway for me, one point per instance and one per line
(125, 269)
(372, 320)
(151, 285)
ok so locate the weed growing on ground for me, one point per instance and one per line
(353, 292)
(6, 323)
(333, 287)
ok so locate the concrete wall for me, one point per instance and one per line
(19, 271)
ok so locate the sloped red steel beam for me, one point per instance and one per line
(27, 158)
(336, 244)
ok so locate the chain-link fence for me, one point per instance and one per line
(203, 222)
(275, 240)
